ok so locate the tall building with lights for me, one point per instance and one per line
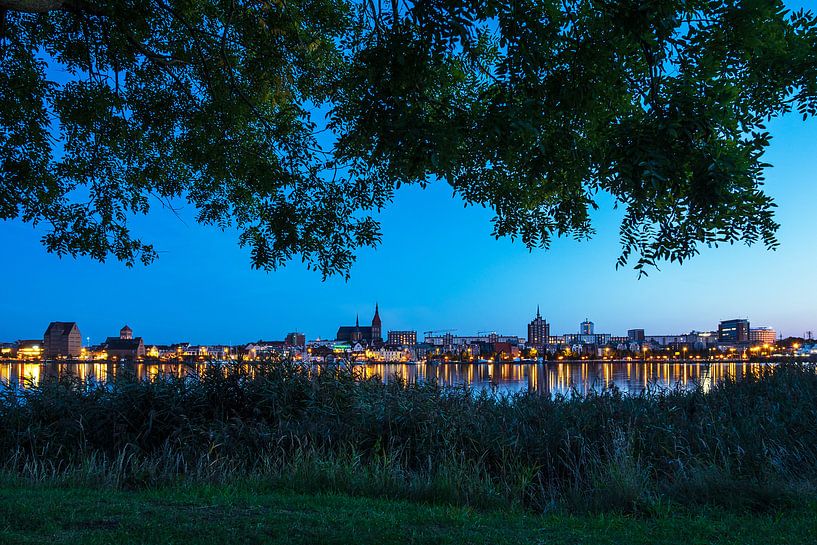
(402, 338)
(586, 327)
(538, 330)
(733, 331)
(762, 335)
(62, 340)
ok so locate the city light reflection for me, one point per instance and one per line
(554, 378)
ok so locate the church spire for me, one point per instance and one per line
(377, 325)
(537, 312)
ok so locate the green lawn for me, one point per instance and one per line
(225, 514)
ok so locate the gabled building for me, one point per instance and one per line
(126, 346)
(62, 340)
(367, 335)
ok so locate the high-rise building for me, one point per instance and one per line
(402, 338)
(635, 335)
(62, 340)
(586, 327)
(762, 335)
(295, 339)
(538, 330)
(733, 331)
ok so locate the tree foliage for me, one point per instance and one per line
(530, 107)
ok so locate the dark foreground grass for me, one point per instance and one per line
(741, 446)
(218, 514)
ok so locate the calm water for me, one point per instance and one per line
(551, 378)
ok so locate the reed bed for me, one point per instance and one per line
(748, 444)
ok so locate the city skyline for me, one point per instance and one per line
(545, 331)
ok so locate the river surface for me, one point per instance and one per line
(549, 378)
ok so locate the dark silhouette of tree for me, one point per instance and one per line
(530, 107)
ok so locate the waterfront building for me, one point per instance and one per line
(30, 349)
(363, 334)
(62, 340)
(392, 353)
(586, 327)
(7, 350)
(264, 349)
(219, 352)
(762, 335)
(402, 338)
(666, 341)
(125, 347)
(538, 331)
(166, 352)
(733, 331)
(450, 342)
(423, 351)
(597, 339)
(702, 340)
(318, 353)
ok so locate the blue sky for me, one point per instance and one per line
(437, 268)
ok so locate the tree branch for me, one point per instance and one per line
(32, 6)
(44, 6)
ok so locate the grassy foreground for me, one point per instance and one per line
(201, 514)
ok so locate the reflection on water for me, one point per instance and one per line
(552, 378)
(564, 378)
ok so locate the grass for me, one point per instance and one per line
(202, 514)
(747, 446)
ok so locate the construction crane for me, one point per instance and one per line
(433, 331)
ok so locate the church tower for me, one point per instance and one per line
(357, 335)
(377, 334)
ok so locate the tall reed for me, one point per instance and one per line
(742, 444)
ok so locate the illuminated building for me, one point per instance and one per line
(125, 347)
(62, 340)
(29, 349)
(762, 335)
(402, 338)
(733, 331)
(538, 331)
(586, 327)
